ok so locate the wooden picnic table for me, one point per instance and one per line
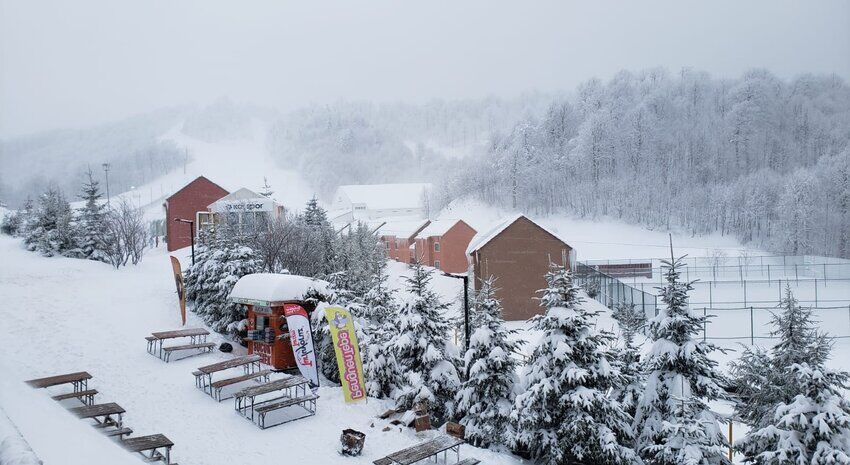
(425, 450)
(97, 411)
(244, 400)
(150, 443)
(250, 364)
(227, 364)
(78, 379)
(155, 340)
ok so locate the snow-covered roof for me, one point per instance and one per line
(481, 239)
(385, 196)
(267, 288)
(437, 228)
(399, 228)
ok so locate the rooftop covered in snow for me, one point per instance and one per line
(383, 196)
(481, 239)
(269, 288)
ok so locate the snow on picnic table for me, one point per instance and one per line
(63, 315)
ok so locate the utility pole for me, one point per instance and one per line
(106, 170)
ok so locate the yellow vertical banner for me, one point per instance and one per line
(347, 353)
(181, 290)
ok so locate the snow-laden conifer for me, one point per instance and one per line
(565, 414)
(380, 310)
(673, 424)
(630, 385)
(812, 429)
(422, 350)
(93, 241)
(486, 396)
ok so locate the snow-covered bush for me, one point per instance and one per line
(126, 235)
(565, 414)
(484, 401)
(631, 384)
(673, 423)
(51, 231)
(422, 349)
(91, 222)
(380, 310)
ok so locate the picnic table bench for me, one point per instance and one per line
(249, 363)
(149, 447)
(78, 379)
(102, 414)
(425, 450)
(245, 401)
(197, 340)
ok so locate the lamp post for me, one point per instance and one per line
(106, 170)
(465, 279)
(192, 236)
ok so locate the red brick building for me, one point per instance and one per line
(442, 244)
(397, 237)
(185, 204)
(517, 252)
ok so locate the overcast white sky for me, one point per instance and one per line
(82, 62)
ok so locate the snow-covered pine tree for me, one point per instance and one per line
(760, 378)
(219, 263)
(322, 235)
(565, 415)
(266, 189)
(422, 349)
(90, 221)
(673, 424)
(811, 429)
(630, 386)
(52, 231)
(380, 310)
(486, 397)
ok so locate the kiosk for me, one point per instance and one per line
(267, 298)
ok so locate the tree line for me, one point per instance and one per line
(757, 157)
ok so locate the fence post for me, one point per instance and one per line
(816, 292)
(704, 318)
(768, 273)
(752, 328)
(745, 293)
(796, 278)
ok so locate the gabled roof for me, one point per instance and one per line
(198, 179)
(406, 228)
(481, 239)
(240, 194)
(438, 228)
(385, 196)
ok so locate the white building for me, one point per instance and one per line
(243, 209)
(373, 201)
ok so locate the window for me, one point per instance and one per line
(204, 221)
(436, 247)
(437, 264)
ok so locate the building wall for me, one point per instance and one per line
(452, 253)
(397, 248)
(519, 258)
(193, 198)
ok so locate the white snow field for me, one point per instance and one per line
(63, 315)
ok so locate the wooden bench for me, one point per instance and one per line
(155, 340)
(308, 403)
(218, 385)
(78, 379)
(149, 447)
(120, 432)
(86, 397)
(202, 347)
(423, 451)
(101, 413)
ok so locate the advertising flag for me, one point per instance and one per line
(301, 339)
(181, 291)
(347, 353)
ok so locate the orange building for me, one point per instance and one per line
(442, 244)
(397, 237)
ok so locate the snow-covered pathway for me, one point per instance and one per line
(61, 315)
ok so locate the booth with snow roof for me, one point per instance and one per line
(278, 308)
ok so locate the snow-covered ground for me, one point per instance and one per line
(62, 315)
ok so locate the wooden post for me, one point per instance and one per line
(752, 330)
(730, 439)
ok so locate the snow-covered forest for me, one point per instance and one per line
(761, 158)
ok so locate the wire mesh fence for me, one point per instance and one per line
(742, 298)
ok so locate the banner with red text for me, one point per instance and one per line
(301, 339)
(347, 353)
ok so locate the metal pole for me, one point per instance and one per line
(466, 309)
(192, 239)
(704, 320)
(106, 170)
(730, 439)
(752, 330)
